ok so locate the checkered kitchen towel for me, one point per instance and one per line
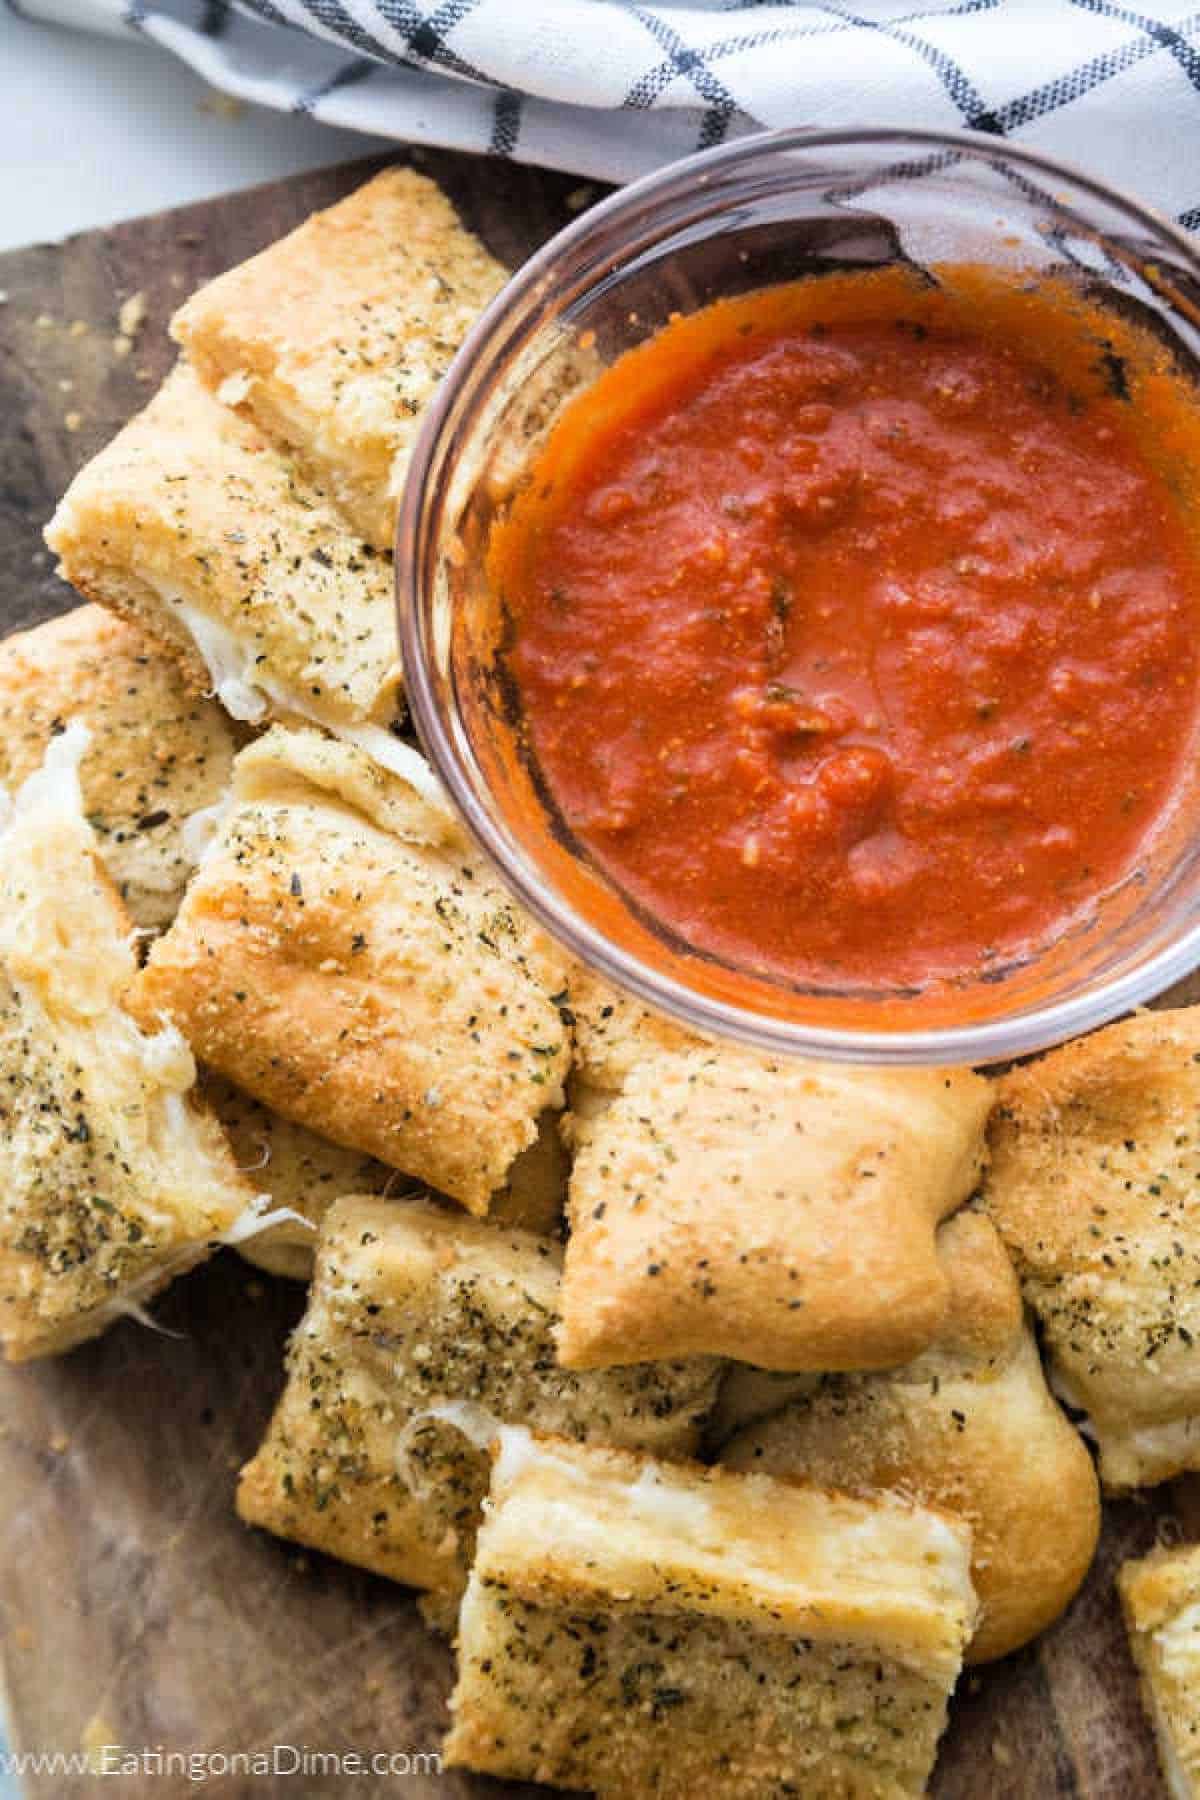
(611, 88)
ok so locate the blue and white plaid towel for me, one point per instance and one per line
(611, 88)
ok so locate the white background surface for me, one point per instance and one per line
(93, 130)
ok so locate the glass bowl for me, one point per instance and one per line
(767, 209)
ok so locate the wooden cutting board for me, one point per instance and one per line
(134, 1608)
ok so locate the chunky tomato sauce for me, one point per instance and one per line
(856, 650)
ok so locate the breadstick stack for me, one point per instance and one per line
(696, 1392)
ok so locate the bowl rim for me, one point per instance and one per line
(994, 1039)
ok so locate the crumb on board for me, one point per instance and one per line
(132, 315)
(73, 421)
(60, 1443)
(78, 328)
(96, 1737)
(221, 106)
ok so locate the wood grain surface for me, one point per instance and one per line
(134, 1608)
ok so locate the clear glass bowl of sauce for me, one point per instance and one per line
(799, 582)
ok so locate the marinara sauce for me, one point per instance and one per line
(855, 649)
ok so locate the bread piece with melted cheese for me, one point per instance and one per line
(334, 338)
(344, 956)
(969, 1427)
(634, 1628)
(302, 1174)
(158, 752)
(783, 1214)
(111, 1178)
(420, 1318)
(193, 526)
(1095, 1187)
(1160, 1598)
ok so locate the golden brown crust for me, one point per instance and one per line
(969, 1427)
(1095, 1187)
(1160, 1597)
(636, 1628)
(414, 1307)
(1154, 1588)
(112, 1179)
(158, 753)
(781, 1214)
(335, 338)
(191, 524)
(614, 1033)
(341, 956)
(983, 1318)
